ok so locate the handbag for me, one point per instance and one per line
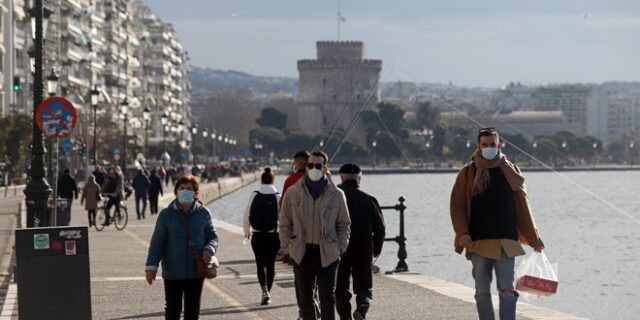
(204, 271)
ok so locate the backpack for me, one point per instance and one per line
(263, 214)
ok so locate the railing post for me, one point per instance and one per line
(402, 241)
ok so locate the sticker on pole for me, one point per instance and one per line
(41, 241)
(56, 117)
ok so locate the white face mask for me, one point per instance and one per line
(489, 153)
(315, 174)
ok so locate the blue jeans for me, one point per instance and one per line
(482, 274)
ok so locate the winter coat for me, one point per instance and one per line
(155, 185)
(367, 223)
(299, 205)
(169, 244)
(113, 188)
(67, 187)
(91, 195)
(140, 184)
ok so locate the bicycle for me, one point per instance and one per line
(119, 219)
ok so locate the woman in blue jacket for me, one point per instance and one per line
(169, 246)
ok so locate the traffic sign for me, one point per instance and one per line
(67, 145)
(56, 117)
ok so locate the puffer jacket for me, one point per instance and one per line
(170, 246)
(335, 221)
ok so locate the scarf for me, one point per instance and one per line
(482, 177)
(315, 187)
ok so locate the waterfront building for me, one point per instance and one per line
(338, 79)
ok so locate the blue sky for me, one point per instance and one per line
(467, 42)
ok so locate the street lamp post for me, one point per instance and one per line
(163, 121)
(146, 116)
(37, 190)
(375, 153)
(124, 108)
(95, 95)
(52, 88)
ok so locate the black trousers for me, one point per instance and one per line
(153, 203)
(142, 198)
(91, 214)
(265, 247)
(175, 291)
(112, 202)
(360, 269)
(309, 269)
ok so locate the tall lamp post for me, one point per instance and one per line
(52, 88)
(146, 116)
(95, 95)
(124, 108)
(37, 190)
(163, 121)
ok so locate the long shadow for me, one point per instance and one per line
(225, 262)
(214, 311)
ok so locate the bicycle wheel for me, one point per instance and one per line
(101, 217)
(120, 219)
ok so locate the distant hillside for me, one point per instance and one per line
(206, 81)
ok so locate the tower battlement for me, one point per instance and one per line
(340, 50)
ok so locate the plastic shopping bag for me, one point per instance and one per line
(537, 278)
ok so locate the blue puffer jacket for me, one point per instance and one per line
(169, 243)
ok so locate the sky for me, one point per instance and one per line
(484, 43)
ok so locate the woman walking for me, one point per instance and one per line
(90, 198)
(261, 226)
(172, 246)
(155, 189)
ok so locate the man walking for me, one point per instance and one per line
(155, 189)
(491, 215)
(314, 230)
(67, 189)
(140, 185)
(365, 243)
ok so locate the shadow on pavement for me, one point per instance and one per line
(214, 311)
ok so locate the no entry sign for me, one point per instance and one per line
(56, 117)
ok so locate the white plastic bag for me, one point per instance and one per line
(536, 278)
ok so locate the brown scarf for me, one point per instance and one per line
(481, 180)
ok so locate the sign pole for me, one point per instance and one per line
(54, 219)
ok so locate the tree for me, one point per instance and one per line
(272, 139)
(297, 140)
(270, 117)
(392, 115)
(426, 115)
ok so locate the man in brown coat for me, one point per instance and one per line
(491, 216)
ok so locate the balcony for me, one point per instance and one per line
(74, 52)
(74, 4)
(73, 26)
(19, 38)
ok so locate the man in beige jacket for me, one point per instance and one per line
(491, 216)
(314, 230)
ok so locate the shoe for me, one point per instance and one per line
(357, 315)
(266, 298)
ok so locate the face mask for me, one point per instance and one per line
(489, 153)
(315, 174)
(186, 196)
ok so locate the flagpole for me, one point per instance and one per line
(338, 20)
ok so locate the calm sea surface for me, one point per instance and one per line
(581, 217)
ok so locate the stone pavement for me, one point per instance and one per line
(119, 289)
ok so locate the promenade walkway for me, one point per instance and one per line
(119, 290)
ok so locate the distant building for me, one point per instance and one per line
(339, 79)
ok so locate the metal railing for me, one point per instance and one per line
(400, 239)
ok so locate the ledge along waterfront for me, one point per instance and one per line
(119, 290)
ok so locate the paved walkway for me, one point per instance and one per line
(119, 290)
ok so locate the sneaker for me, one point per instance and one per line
(266, 298)
(357, 315)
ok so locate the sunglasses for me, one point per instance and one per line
(315, 165)
(487, 130)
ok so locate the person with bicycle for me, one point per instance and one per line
(113, 188)
(184, 226)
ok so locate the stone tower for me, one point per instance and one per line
(339, 79)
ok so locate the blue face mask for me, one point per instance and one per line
(186, 197)
(489, 153)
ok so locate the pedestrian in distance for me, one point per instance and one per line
(155, 189)
(67, 189)
(365, 243)
(114, 189)
(261, 226)
(98, 173)
(171, 246)
(140, 186)
(91, 197)
(491, 217)
(314, 230)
